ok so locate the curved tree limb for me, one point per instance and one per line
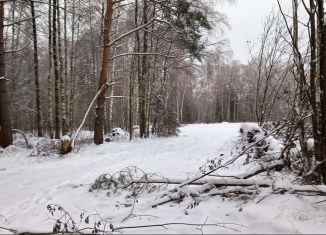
(23, 134)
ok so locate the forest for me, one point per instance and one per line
(117, 114)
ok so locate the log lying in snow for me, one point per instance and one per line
(216, 183)
(244, 183)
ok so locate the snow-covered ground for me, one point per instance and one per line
(29, 184)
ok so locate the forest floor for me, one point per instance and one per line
(28, 184)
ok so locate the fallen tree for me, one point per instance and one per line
(264, 154)
(209, 184)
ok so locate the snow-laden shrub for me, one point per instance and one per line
(264, 146)
(117, 134)
(130, 179)
(37, 146)
(255, 150)
(9, 151)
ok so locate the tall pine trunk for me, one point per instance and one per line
(66, 81)
(56, 71)
(104, 76)
(5, 122)
(142, 79)
(36, 74)
(50, 49)
(322, 80)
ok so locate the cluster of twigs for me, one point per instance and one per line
(95, 224)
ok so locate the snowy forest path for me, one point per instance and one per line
(27, 184)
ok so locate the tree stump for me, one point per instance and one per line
(65, 145)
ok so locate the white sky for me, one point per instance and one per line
(246, 19)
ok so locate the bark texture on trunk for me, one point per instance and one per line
(50, 111)
(56, 72)
(143, 78)
(5, 122)
(313, 75)
(322, 78)
(104, 76)
(36, 74)
(62, 77)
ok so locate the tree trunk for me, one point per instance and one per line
(50, 111)
(13, 77)
(131, 96)
(182, 103)
(37, 78)
(313, 75)
(72, 68)
(133, 75)
(142, 79)
(56, 72)
(104, 77)
(322, 78)
(5, 122)
(66, 81)
(62, 77)
(111, 89)
(300, 74)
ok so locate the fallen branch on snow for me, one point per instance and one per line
(208, 184)
(187, 182)
(64, 223)
(113, 183)
(9, 229)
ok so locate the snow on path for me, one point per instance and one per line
(28, 184)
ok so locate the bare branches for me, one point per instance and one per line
(21, 21)
(139, 28)
(19, 49)
(66, 224)
(230, 161)
(165, 225)
(9, 229)
(142, 54)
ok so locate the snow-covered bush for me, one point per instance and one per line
(38, 146)
(265, 146)
(9, 151)
(116, 134)
(131, 179)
